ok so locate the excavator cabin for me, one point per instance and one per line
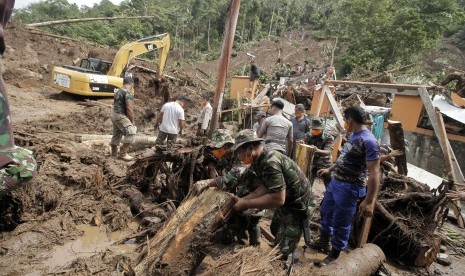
(96, 77)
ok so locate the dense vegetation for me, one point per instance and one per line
(372, 34)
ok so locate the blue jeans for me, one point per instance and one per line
(338, 210)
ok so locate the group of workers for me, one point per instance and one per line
(259, 167)
(268, 177)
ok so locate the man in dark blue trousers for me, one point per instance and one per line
(360, 155)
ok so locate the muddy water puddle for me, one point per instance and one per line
(94, 240)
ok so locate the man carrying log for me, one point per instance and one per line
(17, 165)
(324, 143)
(122, 118)
(359, 156)
(281, 185)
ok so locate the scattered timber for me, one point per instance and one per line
(406, 216)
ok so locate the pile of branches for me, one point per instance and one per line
(168, 174)
(407, 215)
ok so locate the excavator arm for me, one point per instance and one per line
(139, 47)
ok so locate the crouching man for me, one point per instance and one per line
(281, 185)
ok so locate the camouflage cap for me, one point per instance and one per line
(245, 136)
(318, 123)
(221, 137)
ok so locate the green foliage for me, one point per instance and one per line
(372, 34)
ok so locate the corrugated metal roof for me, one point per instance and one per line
(449, 110)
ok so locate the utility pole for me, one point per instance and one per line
(229, 31)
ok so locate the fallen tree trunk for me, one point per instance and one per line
(77, 20)
(363, 261)
(179, 246)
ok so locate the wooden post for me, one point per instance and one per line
(366, 226)
(228, 41)
(304, 158)
(396, 135)
(440, 131)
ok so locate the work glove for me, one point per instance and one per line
(396, 153)
(199, 187)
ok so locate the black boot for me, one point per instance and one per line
(254, 235)
(322, 243)
(332, 256)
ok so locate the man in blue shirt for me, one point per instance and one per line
(359, 156)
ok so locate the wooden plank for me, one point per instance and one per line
(334, 108)
(428, 103)
(396, 135)
(317, 103)
(365, 231)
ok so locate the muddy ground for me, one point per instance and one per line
(69, 219)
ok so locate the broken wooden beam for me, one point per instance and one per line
(179, 246)
(396, 135)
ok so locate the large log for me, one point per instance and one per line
(396, 135)
(179, 246)
(362, 261)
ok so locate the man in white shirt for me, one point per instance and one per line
(203, 121)
(170, 121)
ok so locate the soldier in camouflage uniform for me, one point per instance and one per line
(17, 165)
(282, 185)
(227, 173)
(324, 142)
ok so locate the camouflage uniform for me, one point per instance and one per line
(18, 166)
(325, 141)
(276, 172)
(122, 126)
(236, 182)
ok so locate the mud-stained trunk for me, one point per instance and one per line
(362, 261)
(179, 246)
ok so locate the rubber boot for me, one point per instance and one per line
(254, 235)
(114, 151)
(332, 256)
(322, 244)
(124, 153)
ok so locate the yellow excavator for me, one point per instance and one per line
(95, 77)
